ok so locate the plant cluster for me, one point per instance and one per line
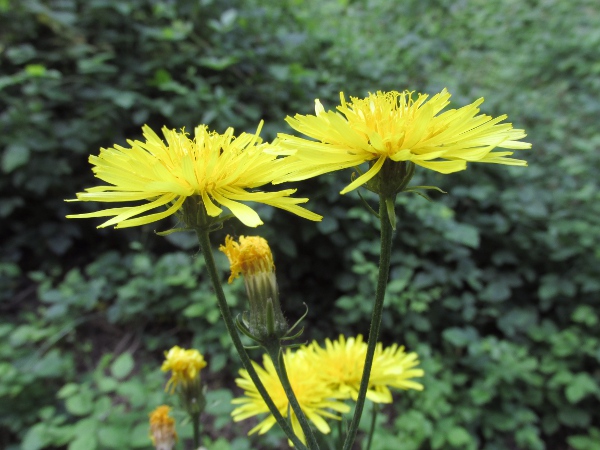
(495, 285)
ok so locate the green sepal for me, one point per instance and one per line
(295, 346)
(389, 204)
(421, 194)
(299, 320)
(371, 210)
(289, 338)
(244, 329)
(171, 231)
(252, 347)
(270, 318)
(435, 188)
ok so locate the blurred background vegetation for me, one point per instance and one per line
(496, 285)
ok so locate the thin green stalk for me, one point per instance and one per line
(196, 427)
(374, 411)
(204, 240)
(382, 279)
(340, 438)
(279, 363)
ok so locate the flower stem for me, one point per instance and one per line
(196, 427)
(374, 411)
(382, 279)
(275, 352)
(204, 240)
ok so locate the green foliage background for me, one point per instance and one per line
(496, 285)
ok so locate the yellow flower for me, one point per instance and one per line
(185, 366)
(395, 126)
(250, 256)
(314, 396)
(162, 428)
(212, 169)
(341, 365)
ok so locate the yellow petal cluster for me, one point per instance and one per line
(249, 256)
(162, 428)
(399, 127)
(322, 378)
(185, 366)
(217, 170)
(316, 398)
(341, 364)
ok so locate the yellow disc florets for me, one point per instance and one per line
(250, 256)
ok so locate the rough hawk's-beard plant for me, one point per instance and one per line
(210, 169)
(394, 126)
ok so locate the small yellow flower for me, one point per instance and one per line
(341, 365)
(395, 126)
(250, 256)
(185, 366)
(316, 398)
(211, 169)
(162, 428)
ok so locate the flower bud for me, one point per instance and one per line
(252, 257)
(162, 429)
(185, 367)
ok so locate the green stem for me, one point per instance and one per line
(273, 350)
(340, 437)
(196, 426)
(374, 411)
(204, 240)
(382, 279)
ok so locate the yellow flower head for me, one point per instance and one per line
(185, 366)
(396, 126)
(341, 365)
(250, 256)
(315, 397)
(213, 169)
(162, 428)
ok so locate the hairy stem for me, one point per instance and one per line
(275, 352)
(204, 240)
(382, 278)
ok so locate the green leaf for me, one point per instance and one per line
(36, 438)
(14, 156)
(580, 386)
(86, 441)
(463, 234)
(459, 437)
(122, 366)
(460, 337)
(81, 403)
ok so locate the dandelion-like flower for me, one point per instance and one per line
(395, 126)
(341, 366)
(185, 366)
(162, 428)
(211, 169)
(316, 398)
